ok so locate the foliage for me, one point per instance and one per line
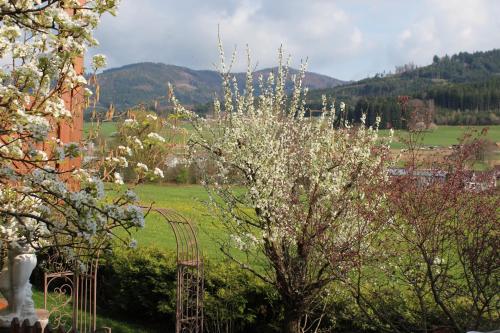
(437, 249)
(140, 285)
(120, 326)
(182, 176)
(306, 203)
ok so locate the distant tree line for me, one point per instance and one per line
(476, 96)
(465, 89)
(461, 67)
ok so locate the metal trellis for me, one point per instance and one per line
(64, 287)
(190, 279)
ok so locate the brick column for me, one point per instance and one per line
(72, 130)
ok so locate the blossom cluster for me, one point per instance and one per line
(140, 148)
(306, 180)
(42, 204)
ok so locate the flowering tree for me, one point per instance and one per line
(437, 254)
(294, 192)
(43, 203)
(147, 140)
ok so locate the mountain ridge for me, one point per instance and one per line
(145, 82)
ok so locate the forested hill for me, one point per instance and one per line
(465, 88)
(133, 84)
(409, 79)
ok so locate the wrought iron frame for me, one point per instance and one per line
(190, 273)
(78, 288)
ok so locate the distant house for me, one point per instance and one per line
(424, 176)
(474, 180)
(482, 180)
(171, 161)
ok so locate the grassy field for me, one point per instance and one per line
(186, 200)
(445, 136)
(106, 130)
(190, 202)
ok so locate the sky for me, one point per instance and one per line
(348, 39)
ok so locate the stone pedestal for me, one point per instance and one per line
(15, 287)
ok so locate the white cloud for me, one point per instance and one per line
(185, 33)
(343, 39)
(447, 27)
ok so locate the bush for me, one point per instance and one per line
(182, 176)
(140, 285)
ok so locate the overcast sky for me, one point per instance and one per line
(348, 39)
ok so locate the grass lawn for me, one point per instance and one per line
(107, 128)
(445, 136)
(186, 200)
(117, 326)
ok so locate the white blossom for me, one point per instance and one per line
(158, 172)
(155, 138)
(98, 61)
(118, 178)
(142, 167)
(40, 41)
(125, 150)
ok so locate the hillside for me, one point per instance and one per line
(144, 82)
(462, 68)
(464, 87)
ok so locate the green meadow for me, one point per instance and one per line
(189, 201)
(443, 136)
(106, 128)
(186, 200)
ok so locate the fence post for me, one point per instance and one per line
(38, 328)
(14, 326)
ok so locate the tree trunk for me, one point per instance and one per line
(291, 323)
(291, 326)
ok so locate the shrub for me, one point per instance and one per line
(140, 285)
(182, 176)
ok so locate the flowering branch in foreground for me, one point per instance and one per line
(42, 204)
